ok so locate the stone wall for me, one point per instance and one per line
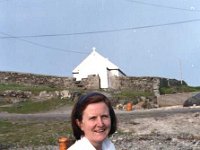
(33, 79)
(92, 82)
(143, 84)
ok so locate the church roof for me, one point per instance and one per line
(95, 60)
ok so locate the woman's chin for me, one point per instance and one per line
(100, 138)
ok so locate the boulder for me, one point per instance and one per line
(192, 101)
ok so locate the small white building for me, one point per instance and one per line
(96, 64)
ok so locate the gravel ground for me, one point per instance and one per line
(153, 131)
(174, 132)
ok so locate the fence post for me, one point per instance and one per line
(63, 143)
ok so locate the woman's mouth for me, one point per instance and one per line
(100, 130)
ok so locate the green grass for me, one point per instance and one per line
(28, 105)
(131, 95)
(19, 87)
(27, 133)
(178, 89)
(23, 133)
(35, 107)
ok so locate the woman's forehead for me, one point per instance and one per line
(96, 108)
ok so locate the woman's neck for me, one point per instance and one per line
(98, 146)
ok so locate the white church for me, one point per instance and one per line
(96, 64)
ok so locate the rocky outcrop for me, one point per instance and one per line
(12, 96)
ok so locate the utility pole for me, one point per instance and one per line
(181, 74)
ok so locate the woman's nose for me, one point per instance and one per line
(100, 122)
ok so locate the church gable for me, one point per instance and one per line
(96, 64)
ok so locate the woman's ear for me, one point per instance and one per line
(79, 123)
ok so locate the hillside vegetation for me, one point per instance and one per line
(178, 89)
(23, 103)
(26, 104)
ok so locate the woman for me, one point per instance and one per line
(93, 120)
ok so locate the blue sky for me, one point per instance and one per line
(144, 38)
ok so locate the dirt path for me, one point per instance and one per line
(64, 114)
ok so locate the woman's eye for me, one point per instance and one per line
(105, 116)
(92, 118)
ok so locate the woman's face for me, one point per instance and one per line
(96, 122)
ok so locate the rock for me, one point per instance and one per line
(65, 94)
(192, 101)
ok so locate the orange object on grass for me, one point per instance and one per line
(129, 106)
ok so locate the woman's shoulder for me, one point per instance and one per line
(108, 145)
(83, 143)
